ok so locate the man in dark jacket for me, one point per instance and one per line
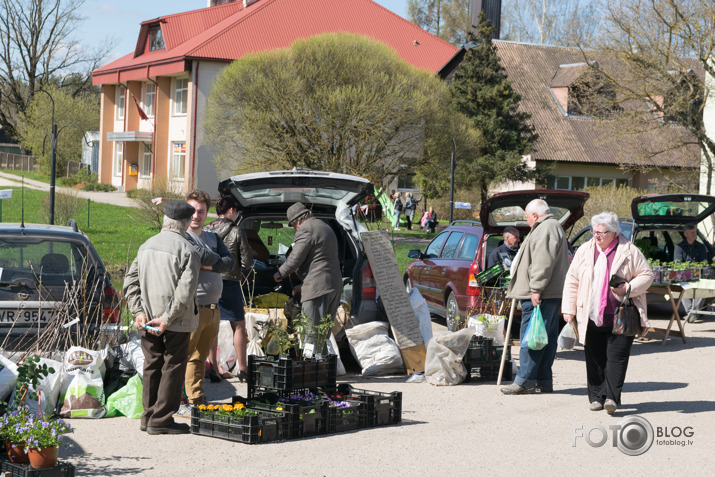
(690, 250)
(314, 259)
(505, 252)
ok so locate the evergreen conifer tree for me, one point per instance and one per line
(481, 91)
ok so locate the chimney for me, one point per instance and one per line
(492, 9)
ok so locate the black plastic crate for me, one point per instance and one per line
(381, 409)
(342, 419)
(283, 375)
(488, 371)
(62, 469)
(304, 420)
(480, 349)
(265, 427)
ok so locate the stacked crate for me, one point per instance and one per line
(483, 360)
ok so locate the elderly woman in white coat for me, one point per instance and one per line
(590, 303)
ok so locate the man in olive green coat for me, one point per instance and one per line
(314, 258)
(537, 279)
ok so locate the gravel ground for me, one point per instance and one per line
(460, 430)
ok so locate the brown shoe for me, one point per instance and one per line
(174, 428)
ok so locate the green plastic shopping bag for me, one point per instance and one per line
(127, 400)
(535, 337)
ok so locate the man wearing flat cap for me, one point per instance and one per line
(314, 259)
(160, 289)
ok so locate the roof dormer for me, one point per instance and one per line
(151, 38)
(581, 89)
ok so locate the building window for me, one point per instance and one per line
(156, 39)
(579, 183)
(118, 158)
(178, 161)
(181, 92)
(121, 94)
(149, 93)
(145, 166)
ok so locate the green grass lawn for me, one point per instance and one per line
(115, 234)
(29, 175)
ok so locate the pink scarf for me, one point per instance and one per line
(599, 286)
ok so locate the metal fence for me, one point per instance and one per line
(18, 162)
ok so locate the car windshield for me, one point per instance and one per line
(51, 262)
(681, 208)
(515, 216)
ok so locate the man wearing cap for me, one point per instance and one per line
(160, 289)
(215, 259)
(314, 258)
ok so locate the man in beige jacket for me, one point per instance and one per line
(537, 279)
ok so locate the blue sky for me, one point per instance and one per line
(119, 22)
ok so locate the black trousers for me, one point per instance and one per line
(165, 358)
(606, 363)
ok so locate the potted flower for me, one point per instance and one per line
(31, 437)
(42, 441)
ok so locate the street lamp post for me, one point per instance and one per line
(53, 156)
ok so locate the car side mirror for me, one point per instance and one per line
(414, 254)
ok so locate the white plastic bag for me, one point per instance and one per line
(333, 349)
(488, 326)
(376, 352)
(226, 350)
(49, 388)
(419, 305)
(8, 376)
(567, 338)
(83, 387)
(443, 364)
(132, 356)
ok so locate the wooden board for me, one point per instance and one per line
(398, 308)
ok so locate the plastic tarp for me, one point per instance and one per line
(376, 352)
(419, 305)
(488, 326)
(127, 401)
(8, 377)
(443, 364)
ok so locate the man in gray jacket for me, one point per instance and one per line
(314, 258)
(160, 289)
(537, 279)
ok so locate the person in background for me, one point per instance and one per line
(410, 206)
(160, 289)
(430, 220)
(231, 301)
(314, 259)
(690, 250)
(505, 252)
(590, 302)
(537, 279)
(215, 259)
(397, 207)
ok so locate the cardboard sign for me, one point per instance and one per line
(6, 194)
(400, 314)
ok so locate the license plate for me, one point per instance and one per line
(26, 316)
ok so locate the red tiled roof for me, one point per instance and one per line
(532, 69)
(228, 32)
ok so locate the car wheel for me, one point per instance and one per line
(408, 286)
(452, 312)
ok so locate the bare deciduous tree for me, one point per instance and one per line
(447, 19)
(664, 50)
(551, 22)
(37, 47)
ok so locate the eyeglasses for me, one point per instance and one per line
(598, 234)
